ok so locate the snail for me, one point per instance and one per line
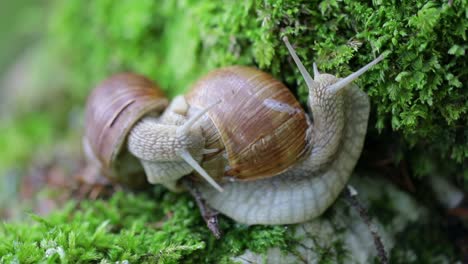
(112, 109)
(263, 159)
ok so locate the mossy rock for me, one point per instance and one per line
(418, 93)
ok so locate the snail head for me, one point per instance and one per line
(173, 138)
(324, 86)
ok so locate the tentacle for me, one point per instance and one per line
(194, 164)
(353, 76)
(310, 82)
(316, 71)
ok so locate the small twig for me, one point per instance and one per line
(350, 195)
(209, 214)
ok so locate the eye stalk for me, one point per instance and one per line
(334, 88)
(194, 164)
(185, 154)
(350, 78)
(309, 80)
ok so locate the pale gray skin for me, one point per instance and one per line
(145, 144)
(340, 114)
(170, 147)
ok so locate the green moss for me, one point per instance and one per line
(34, 128)
(418, 91)
(162, 228)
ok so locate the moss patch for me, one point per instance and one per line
(163, 227)
(418, 91)
(160, 228)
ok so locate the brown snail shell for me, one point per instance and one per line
(112, 109)
(253, 149)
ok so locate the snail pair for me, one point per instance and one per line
(261, 158)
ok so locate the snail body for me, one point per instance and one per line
(246, 135)
(308, 188)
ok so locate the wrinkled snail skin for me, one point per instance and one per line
(158, 152)
(263, 160)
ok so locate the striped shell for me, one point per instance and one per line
(259, 125)
(112, 109)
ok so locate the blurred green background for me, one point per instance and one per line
(21, 35)
(26, 125)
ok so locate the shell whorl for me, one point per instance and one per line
(262, 127)
(112, 109)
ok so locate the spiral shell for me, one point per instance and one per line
(112, 109)
(259, 124)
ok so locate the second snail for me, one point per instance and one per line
(256, 155)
